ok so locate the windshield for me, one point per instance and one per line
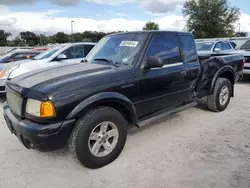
(246, 45)
(120, 49)
(204, 46)
(47, 53)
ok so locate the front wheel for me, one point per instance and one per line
(99, 137)
(220, 98)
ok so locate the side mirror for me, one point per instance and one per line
(61, 57)
(153, 62)
(217, 50)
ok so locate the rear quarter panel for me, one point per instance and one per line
(213, 68)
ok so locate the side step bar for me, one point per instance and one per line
(168, 113)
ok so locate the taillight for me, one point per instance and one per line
(243, 64)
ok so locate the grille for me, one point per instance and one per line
(14, 102)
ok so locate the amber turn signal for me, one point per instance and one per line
(47, 110)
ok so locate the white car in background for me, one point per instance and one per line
(217, 47)
(59, 55)
(245, 51)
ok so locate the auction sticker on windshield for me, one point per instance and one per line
(129, 43)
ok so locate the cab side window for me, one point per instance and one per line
(165, 47)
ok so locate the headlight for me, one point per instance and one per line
(4, 73)
(44, 109)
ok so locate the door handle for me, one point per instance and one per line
(183, 73)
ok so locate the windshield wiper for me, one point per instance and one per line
(107, 60)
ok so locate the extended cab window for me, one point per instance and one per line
(188, 48)
(166, 47)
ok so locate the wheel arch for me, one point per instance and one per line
(114, 100)
(224, 72)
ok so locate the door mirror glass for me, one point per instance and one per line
(217, 50)
(153, 62)
(61, 57)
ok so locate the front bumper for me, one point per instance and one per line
(38, 136)
(2, 86)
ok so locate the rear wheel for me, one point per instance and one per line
(99, 137)
(220, 98)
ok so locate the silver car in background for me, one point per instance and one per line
(245, 51)
(59, 55)
(214, 47)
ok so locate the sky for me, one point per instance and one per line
(50, 16)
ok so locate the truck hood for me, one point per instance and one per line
(67, 78)
(27, 66)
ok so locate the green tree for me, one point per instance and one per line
(18, 41)
(61, 37)
(210, 18)
(43, 40)
(151, 26)
(241, 34)
(3, 37)
(29, 38)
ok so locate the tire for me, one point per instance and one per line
(80, 141)
(214, 102)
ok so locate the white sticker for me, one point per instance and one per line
(129, 43)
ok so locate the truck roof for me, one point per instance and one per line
(151, 31)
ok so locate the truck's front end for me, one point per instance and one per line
(31, 116)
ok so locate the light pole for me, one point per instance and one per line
(239, 27)
(72, 22)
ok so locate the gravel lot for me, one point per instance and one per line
(195, 148)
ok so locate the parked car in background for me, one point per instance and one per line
(39, 49)
(59, 55)
(214, 48)
(18, 55)
(21, 48)
(128, 78)
(245, 51)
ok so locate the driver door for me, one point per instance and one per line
(162, 87)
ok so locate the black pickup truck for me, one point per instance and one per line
(128, 78)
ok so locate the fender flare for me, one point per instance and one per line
(99, 98)
(222, 70)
